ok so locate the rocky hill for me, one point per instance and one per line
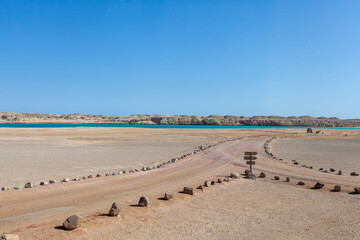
(7, 117)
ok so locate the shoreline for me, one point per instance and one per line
(161, 126)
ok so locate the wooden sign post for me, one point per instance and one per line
(250, 157)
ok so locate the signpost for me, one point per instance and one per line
(250, 157)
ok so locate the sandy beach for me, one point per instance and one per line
(241, 208)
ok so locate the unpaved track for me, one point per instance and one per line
(37, 213)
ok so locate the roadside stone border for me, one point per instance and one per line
(197, 150)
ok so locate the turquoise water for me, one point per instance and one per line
(67, 125)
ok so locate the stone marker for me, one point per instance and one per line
(212, 182)
(72, 222)
(276, 177)
(168, 195)
(332, 170)
(340, 172)
(189, 190)
(301, 183)
(227, 179)
(318, 185)
(219, 180)
(114, 210)
(309, 130)
(144, 202)
(287, 179)
(10, 237)
(29, 185)
(337, 188)
(234, 175)
(262, 175)
(207, 184)
(357, 190)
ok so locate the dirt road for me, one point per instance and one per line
(39, 212)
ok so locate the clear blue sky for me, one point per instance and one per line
(181, 57)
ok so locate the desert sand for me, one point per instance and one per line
(241, 208)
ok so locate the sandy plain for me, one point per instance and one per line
(242, 208)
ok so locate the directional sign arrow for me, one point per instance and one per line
(250, 162)
(251, 153)
(247, 157)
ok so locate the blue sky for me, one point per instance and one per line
(181, 57)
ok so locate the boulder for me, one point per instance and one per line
(253, 176)
(10, 237)
(212, 182)
(234, 175)
(309, 130)
(276, 177)
(29, 185)
(247, 173)
(318, 185)
(219, 180)
(287, 179)
(98, 175)
(296, 163)
(144, 202)
(44, 183)
(332, 170)
(227, 179)
(301, 183)
(337, 188)
(114, 210)
(189, 190)
(201, 187)
(340, 172)
(168, 195)
(262, 175)
(357, 190)
(354, 174)
(207, 184)
(72, 222)
(320, 169)
(66, 180)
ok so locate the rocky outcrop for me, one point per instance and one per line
(228, 120)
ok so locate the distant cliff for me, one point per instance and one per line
(7, 117)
